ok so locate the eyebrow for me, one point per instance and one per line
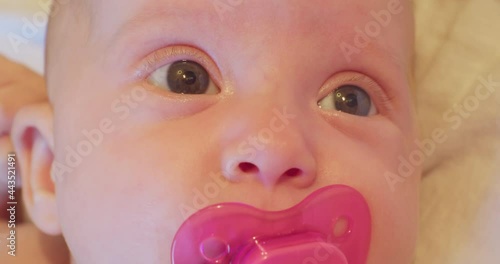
(170, 15)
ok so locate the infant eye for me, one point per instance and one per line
(349, 99)
(184, 77)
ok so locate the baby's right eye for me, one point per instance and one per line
(184, 77)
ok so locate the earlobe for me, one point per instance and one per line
(33, 139)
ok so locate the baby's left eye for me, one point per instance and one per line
(349, 99)
(184, 77)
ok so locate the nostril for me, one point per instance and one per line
(294, 172)
(248, 167)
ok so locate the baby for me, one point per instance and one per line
(159, 109)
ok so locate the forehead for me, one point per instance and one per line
(224, 12)
(118, 22)
(111, 14)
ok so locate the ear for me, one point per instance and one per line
(33, 140)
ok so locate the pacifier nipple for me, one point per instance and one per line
(332, 225)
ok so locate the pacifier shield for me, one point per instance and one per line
(332, 225)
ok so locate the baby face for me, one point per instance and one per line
(165, 107)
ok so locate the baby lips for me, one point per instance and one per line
(332, 225)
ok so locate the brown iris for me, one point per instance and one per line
(352, 100)
(187, 77)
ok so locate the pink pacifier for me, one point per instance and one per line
(332, 225)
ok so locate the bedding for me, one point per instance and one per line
(457, 47)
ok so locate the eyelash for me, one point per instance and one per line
(378, 96)
(169, 55)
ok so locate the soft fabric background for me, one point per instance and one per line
(458, 42)
(14, 16)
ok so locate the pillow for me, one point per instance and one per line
(457, 55)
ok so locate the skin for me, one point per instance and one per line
(19, 86)
(264, 56)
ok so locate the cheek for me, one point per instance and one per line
(131, 193)
(378, 162)
(394, 223)
(132, 187)
(392, 189)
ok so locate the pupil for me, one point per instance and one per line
(351, 100)
(189, 78)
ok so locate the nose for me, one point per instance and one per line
(268, 146)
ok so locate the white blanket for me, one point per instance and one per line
(458, 44)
